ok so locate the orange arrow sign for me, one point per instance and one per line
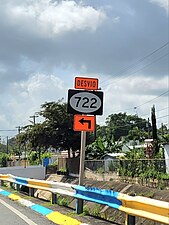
(84, 123)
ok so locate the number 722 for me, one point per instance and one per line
(86, 102)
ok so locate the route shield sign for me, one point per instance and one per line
(84, 123)
(85, 102)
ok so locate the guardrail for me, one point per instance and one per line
(133, 206)
(33, 184)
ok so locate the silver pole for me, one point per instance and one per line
(79, 206)
(82, 157)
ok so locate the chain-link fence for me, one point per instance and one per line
(102, 165)
(143, 171)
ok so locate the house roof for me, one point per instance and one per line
(115, 154)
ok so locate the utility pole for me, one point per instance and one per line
(19, 129)
(162, 129)
(19, 147)
(7, 150)
(148, 126)
(34, 119)
(95, 133)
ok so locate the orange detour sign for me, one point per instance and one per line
(86, 83)
(84, 123)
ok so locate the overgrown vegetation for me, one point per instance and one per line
(3, 159)
(56, 131)
(62, 201)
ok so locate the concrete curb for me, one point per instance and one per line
(51, 215)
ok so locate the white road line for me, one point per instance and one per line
(22, 216)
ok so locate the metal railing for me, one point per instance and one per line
(152, 173)
(133, 206)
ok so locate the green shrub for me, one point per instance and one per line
(33, 158)
(62, 201)
(3, 159)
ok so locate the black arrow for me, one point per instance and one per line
(82, 121)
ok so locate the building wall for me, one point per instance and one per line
(166, 154)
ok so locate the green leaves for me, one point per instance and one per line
(55, 131)
(3, 159)
(100, 147)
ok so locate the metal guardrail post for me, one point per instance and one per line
(11, 185)
(79, 206)
(130, 220)
(2, 183)
(31, 192)
(17, 187)
(54, 198)
(133, 206)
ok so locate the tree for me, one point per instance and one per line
(59, 126)
(137, 134)
(55, 131)
(3, 159)
(12, 145)
(154, 130)
(2, 148)
(163, 134)
(100, 147)
(119, 125)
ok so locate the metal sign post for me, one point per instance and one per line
(89, 102)
(79, 207)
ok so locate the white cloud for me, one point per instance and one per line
(125, 95)
(2, 68)
(27, 96)
(162, 3)
(116, 19)
(48, 18)
(72, 38)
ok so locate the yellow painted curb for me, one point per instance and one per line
(14, 197)
(61, 219)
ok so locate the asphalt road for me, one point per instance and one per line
(11, 213)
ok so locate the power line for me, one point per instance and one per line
(152, 99)
(162, 117)
(8, 130)
(124, 77)
(162, 109)
(142, 122)
(135, 107)
(138, 61)
(156, 112)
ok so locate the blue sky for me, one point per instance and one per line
(46, 44)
